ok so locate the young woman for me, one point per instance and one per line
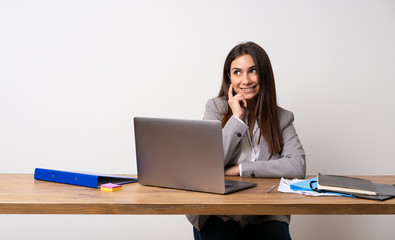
(259, 141)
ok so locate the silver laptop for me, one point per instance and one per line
(182, 154)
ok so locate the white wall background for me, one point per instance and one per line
(74, 73)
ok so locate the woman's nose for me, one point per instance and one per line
(245, 78)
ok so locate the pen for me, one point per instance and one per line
(271, 188)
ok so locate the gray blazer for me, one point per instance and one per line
(290, 163)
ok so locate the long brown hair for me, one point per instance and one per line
(266, 109)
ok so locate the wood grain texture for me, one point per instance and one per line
(21, 194)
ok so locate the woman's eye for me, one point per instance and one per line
(253, 70)
(236, 72)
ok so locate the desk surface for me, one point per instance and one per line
(21, 194)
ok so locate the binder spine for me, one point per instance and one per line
(78, 179)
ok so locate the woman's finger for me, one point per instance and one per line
(230, 92)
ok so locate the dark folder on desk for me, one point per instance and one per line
(79, 179)
(358, 187)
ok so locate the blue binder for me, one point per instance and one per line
(305, 186)
(79, 179)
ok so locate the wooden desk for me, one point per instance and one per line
(21, 194)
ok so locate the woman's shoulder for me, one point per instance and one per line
(219, 104)
(285, 117)
(283, 111)
(216, 108)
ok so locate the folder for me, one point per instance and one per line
(80, 179)
(307, 184)
(348, 185)
(336, 183)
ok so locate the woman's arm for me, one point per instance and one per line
(289, 163)
(232, 132)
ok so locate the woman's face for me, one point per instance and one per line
(244, 77)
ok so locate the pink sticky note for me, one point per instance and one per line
(110, 185)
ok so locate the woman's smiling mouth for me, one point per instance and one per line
(250, 89)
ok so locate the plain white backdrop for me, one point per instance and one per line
(73, 74)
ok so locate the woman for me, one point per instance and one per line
(259, 141)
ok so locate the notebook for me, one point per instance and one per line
(182, 154)
(358, 187)
(345, 184)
